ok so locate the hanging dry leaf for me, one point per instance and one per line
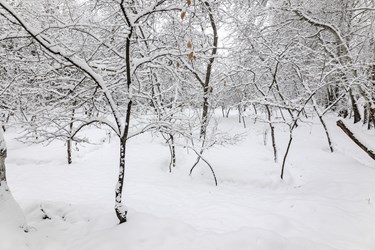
(188, 2)
(191, 56)
(189, 45)
(183, 14)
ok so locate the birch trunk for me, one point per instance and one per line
(120, 208)
(3, 155)
(2, 167)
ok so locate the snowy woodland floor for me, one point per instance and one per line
(327, 200)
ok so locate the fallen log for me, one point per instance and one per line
(349, 133)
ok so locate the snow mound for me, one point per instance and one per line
(12, 222)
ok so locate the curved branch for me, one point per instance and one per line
(327, 26)
(91, 121)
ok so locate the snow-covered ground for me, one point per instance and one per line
(326, 201)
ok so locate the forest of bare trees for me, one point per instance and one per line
(164, 66)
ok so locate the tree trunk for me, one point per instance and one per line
(365, 113)
(327, 134)
(69, 141)
(256, 113)
(120, 209)
(207, 89)
(69, 150)
(205, 113)
(272, 133)
(172, 150)
(371, 118)
(286, 153)
(357, 115)
(239, 113)
(3, 155)
(227, 114)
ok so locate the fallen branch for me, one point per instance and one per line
(351, 136)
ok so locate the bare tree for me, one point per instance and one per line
(128, 17)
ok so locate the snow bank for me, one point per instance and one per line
(12, 222)
(325, 202)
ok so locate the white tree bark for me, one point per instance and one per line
(3, 155)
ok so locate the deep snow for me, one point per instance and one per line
(325, 202)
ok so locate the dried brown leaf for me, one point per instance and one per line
(183, 14)
(191, 56)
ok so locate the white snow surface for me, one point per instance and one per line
(12, 222)
(326, 201)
